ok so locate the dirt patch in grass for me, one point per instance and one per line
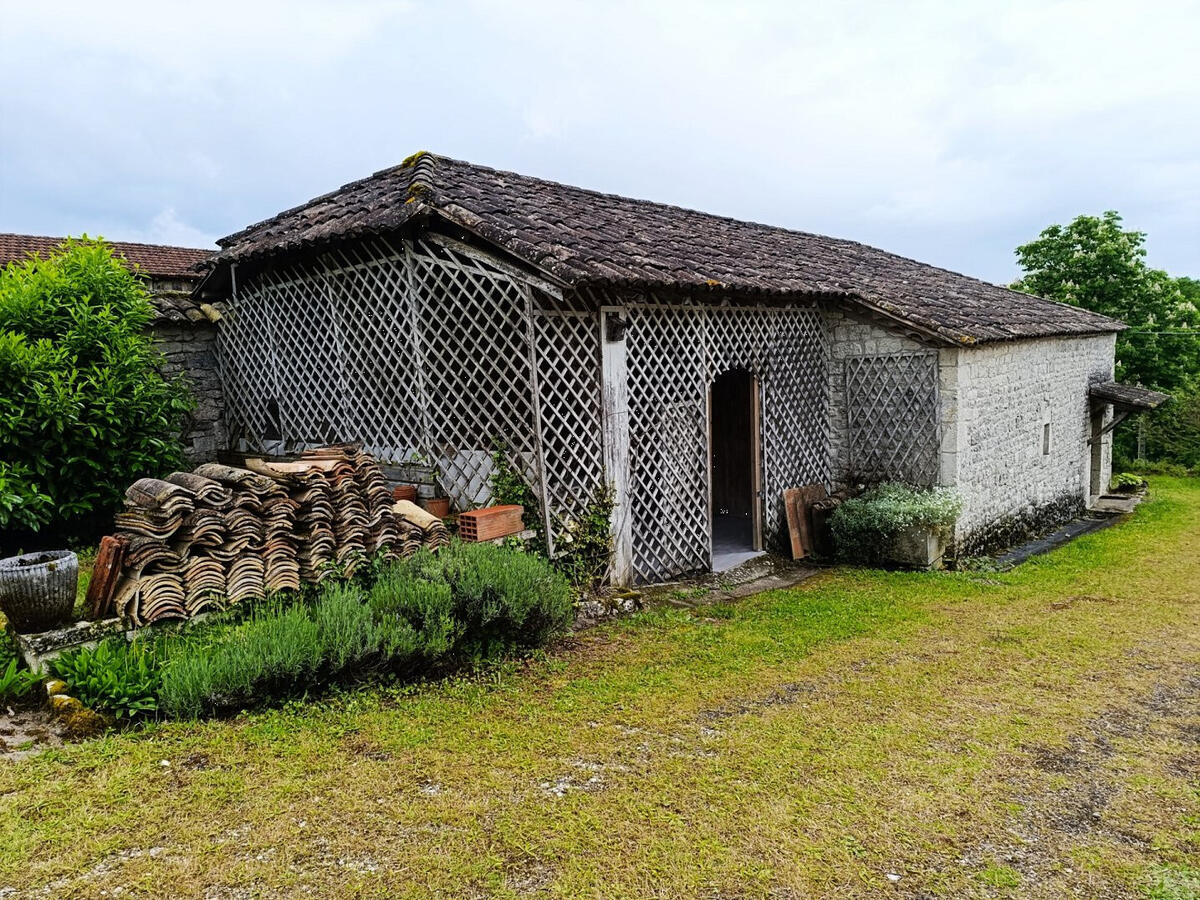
(26, 731)
(1082, 823)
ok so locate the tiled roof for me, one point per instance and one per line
(584, 237)
(1128, 396)
(155, 260)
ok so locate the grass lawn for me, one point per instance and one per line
(1028, 734)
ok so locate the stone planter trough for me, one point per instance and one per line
(37, 590)
(919, 547)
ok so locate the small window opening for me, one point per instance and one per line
(1046, 439)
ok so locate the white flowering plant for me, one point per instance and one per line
(865, 527)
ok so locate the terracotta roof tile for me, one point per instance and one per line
(588, 238)
(153, 260)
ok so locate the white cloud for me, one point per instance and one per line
(949, 132)
(167, 228)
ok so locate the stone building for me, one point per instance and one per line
(184, 330)
(455, 315)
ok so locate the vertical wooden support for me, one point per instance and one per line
(756, 460)
(335, 326)
(614, 416)
(708, 464)
(222, 333)
(417, 348)
(536, 398)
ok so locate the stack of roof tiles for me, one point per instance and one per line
(229, 534)
(418, 527)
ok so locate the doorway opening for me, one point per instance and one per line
(1095, 486)
(736, 504)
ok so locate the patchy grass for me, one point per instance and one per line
(1032, 733)
(87, 561)
(1173, 883)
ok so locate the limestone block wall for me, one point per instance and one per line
(1016, 448)
(190, 349)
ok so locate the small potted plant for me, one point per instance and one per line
(37, 590)
(1127, 483)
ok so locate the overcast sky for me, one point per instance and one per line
(949, 132)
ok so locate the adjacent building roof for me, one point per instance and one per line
(156, 261)
(1127, 396)
(587, 238)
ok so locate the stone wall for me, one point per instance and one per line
(1016, 448)
(190, 349)
(994, 405)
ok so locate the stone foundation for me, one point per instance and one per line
(1017, 528)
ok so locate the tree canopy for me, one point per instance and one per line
(1095, 263)
(84, 406)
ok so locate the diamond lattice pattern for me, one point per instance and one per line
(423, 352)
(568, 370)
(418, 352)
(674, 353)
(891, 408)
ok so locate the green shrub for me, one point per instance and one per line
(503, 600)
(1126, 481)
(407, 603)
(115, 677)
(1172, 432)
(469, 602)
(275, 652)
(345, 627)
(22, 503)
(1148, 467)
(85, 406)
(15, 682)
(866, 527)
(404, 625)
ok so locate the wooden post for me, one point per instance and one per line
(614, 413)
(756, 460)
(416, 346)
(536, 397)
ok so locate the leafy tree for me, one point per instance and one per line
(84, 406)
(1096, 264)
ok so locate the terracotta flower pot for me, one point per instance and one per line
(405, 492)
(437, 506)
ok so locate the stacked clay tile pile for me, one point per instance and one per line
(229, 534)
(419, 528)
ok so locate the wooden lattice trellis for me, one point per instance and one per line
(892, 417)
(418, 351)
(567, 349)
(674, 353)
(429, 349)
